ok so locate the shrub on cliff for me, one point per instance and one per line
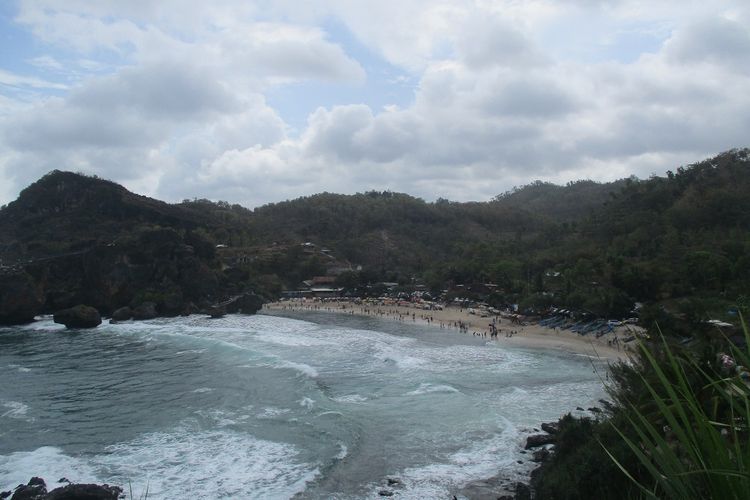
(679, 429)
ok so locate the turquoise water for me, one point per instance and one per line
(312, 405)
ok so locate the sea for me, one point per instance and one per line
(281, 405)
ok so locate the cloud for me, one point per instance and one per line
(488, 41)
(172, 96)
(288, 53)
(129, 109)
(15, 80)
(164, 91)
(134, 123)
(716, 40)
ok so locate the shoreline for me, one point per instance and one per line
(532, 336)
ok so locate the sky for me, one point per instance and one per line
(254, 102)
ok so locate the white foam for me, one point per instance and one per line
(15, 409)
(300, 367)
(190, 351)
(20, 368)
(201, 390)
(350, 398)
(403, 361)
(272, 412)
(48, 463)
(343, 451)
(220, 418)
(217, 464)
(44, 322)
(478, 461)
(290, 339)
(307, 403)
(426, 388)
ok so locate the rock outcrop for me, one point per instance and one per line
(145, 310)
(80, 316)
(36, 489)
(122, 314)
(551, 427)
(20, 298)
(247, 303)
(85, 492)
(536, 440)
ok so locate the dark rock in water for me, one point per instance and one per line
(393, 481)
(594, 409)
(541, 455)
(579, 408)
(523, 492)
(484, 489)
(20, 299)
(385, 493)
(146, 310)
(247, 303)
(63, 480)
(519, 461)
(122, 314)
(35, 489)
(80, 316)
(5, 494)
(607, 405)
(85, 492)
(537, 440)
(551, 427)
(217, 311)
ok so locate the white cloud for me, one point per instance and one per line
(15, 80)
(507, 92)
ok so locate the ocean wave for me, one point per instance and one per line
(272, 412)
(300, 367)
(20, 368)
(181, 463)
(307, 403)
(47, 462)
(427, 388)
(477, 461)
(15, 409)
(343, 451)
(349, 398)
(403, 361)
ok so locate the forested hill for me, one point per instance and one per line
(570, 202)
(64, 212)
(680, 241)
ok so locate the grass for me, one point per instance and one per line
(142, 496)
(691, 441)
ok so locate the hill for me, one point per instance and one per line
(70, 239)
(561, 203)
(679, 241)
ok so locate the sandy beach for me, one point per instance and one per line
(530, 335)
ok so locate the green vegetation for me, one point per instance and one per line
(678, 429)
(679, 244)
